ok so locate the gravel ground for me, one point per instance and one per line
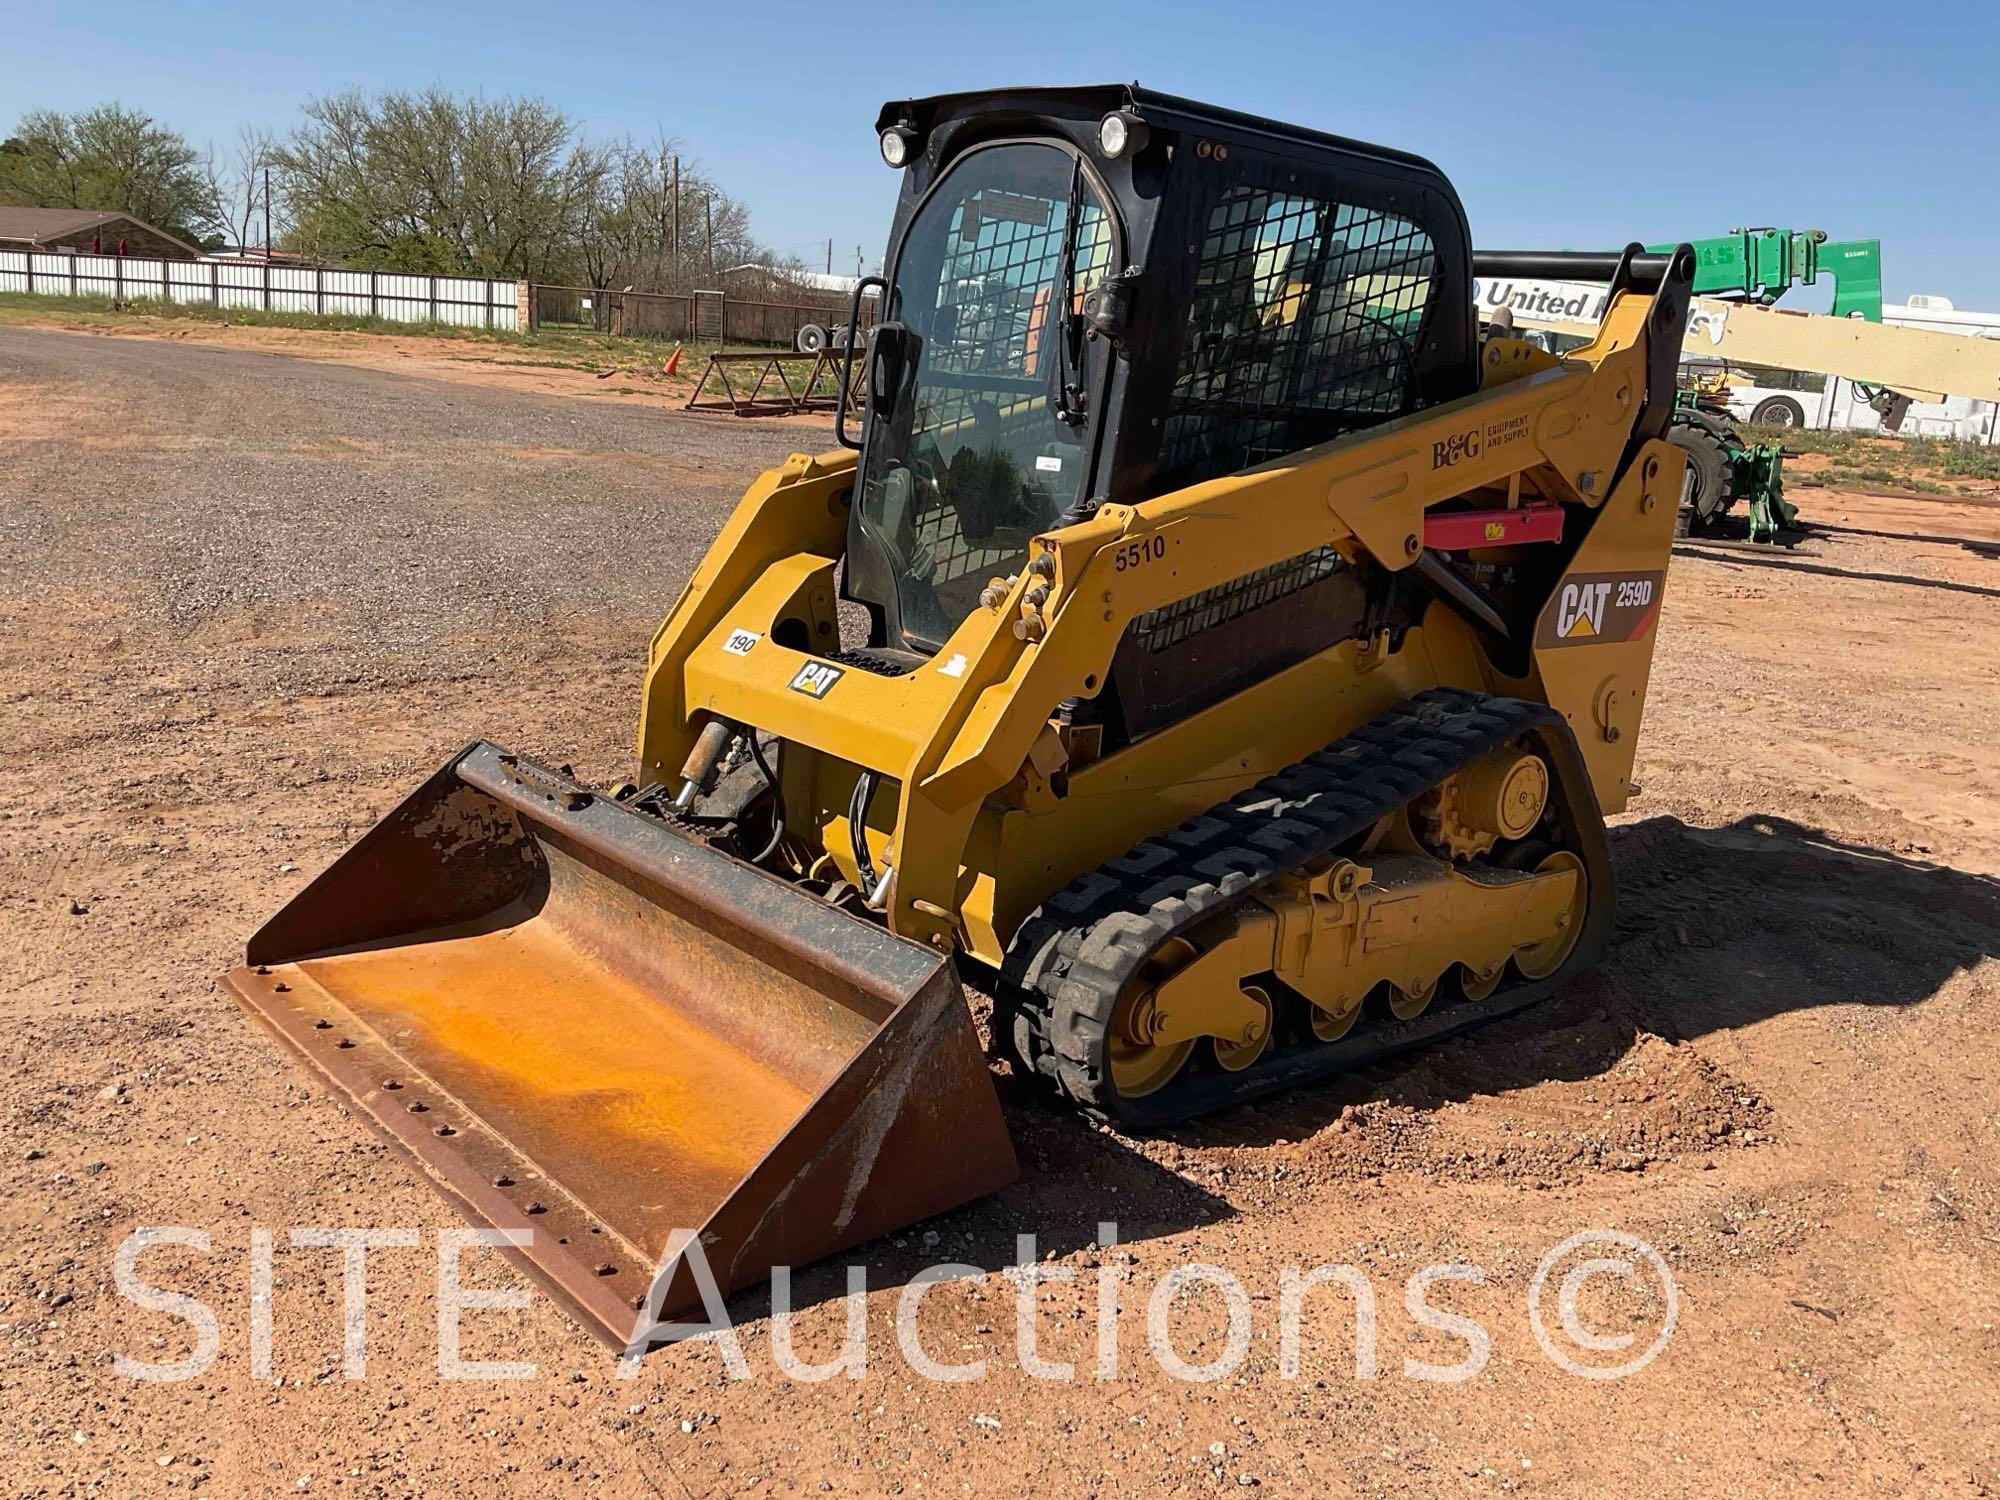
(420, 511)
(247, 601)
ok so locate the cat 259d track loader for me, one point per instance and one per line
(1251, 655)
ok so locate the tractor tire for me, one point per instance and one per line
(1779, 411)
(1705, 494)
(811, 339)
(1716, 423)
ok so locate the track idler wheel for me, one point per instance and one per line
(1139, 1065)
(1476, 986)
(1235, 1056)
(1331, 1026)
(1406, 1003)
(1540, 960)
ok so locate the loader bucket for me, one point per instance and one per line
(584, 1025)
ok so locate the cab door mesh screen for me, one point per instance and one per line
(997, 315)
(1304, 324)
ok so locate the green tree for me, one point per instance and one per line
(440, 182)
(108, 158)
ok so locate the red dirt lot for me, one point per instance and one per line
(250, 599)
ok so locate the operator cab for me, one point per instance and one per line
(1100, 295)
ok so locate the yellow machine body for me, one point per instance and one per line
(593, 1020)
(974, 833)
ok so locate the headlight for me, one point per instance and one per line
(1121, 133)
(898, 141)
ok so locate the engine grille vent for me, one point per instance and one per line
(1166, 627)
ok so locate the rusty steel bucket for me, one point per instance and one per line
(582, 1024)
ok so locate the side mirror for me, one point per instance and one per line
(888, 358)
(1107, 307)
(854, 343)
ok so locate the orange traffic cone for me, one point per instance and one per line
(674, 360)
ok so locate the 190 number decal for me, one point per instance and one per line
(1137, 554)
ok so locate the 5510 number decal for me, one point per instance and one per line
(1136, 554)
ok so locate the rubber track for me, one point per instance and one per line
(1076, 953)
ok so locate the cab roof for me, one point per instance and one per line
(1161, 111)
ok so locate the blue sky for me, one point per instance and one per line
(1577, 126)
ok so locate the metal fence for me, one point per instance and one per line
(467, 301)
(690, 317)
(687, 317)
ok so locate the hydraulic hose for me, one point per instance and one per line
(777, 797)
(857, 828)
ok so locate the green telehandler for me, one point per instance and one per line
(1757, 266)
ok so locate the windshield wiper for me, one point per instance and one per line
(1068, 398)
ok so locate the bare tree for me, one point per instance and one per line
(638, 234)
(234, 206)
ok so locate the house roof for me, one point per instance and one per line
(36, 226)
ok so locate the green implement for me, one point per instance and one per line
(1722, 468)
(1761, 265)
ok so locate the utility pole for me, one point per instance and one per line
(829, 255)
(857, 260)
(708, 210)
(677, 214)
(267, 215)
